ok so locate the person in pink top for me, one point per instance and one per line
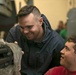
(67, 60)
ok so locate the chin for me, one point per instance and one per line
(30, 39)
(61, 62)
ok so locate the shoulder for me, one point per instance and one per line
(14, 28)
(15, 31)
(55, 71)
(58, 40)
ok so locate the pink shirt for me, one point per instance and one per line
(60, 70)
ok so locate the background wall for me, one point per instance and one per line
(19, 4)
(55, 10)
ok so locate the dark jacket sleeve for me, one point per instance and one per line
(13, 34)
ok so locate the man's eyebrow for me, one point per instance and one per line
(21, 26)
(26, 26)
(66, 47)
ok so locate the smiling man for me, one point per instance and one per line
(67, 60)
(41, 45)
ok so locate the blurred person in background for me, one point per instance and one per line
(60, 27)
(63, 32)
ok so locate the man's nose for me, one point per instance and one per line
(25, 31)
(62, 51)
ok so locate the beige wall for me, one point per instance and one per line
(55, 10)
(17, 3)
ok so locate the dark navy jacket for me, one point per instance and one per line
(38, 57)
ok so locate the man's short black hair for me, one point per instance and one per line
(73, 39)
(27, 10)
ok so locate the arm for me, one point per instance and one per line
(13, 34)
(10, 37)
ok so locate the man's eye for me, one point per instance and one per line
(67, 48)
(29, 27)
(21, 27)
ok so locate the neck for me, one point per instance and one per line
(72, 68)
(40, 36)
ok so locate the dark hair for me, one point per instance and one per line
(26, 10)
(72, 39)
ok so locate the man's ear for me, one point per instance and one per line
(41, 20)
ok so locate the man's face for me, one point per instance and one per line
(30, 26)
(68, 56)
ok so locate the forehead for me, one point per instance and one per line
(27, 18)
(69, 44)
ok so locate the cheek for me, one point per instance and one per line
(34, 29)
(67, 55)
(69, 58)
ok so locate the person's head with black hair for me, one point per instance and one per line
(30, 22)
(67, 60)
(68, 54)
(26, 10)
